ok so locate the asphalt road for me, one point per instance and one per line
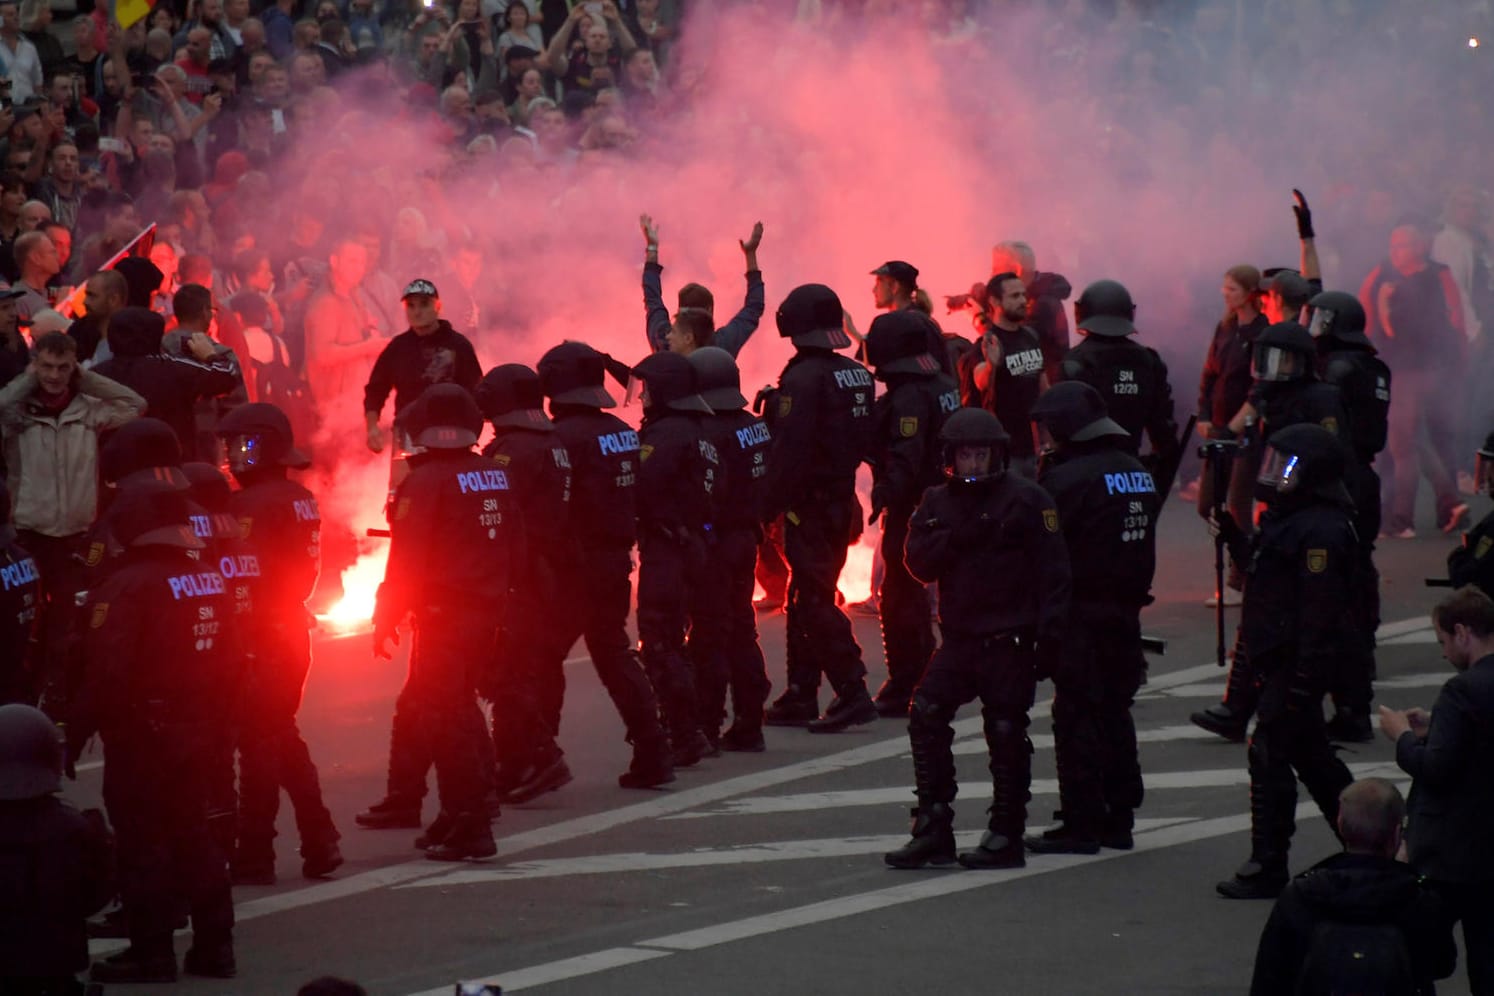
(760, 874)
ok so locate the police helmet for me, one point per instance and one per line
(444, 417)
(898, 342)
(671, 382)
(209, 488)
(511, 395)
(1483, 466)
(1302, 459)
(571, 374)
(259, 435)
(153, 515)
(143, 451)
(1283, 352)
(812, 316)
(1073, 411)
(1105, 309)
(719, 379)
(1337, 315)
(974, 427)
(31, 754)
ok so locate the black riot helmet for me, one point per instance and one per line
(153, 515)
(1105, 309)
(1483, 466)
(259, 436)
(1302, 460)
(1283, 352)
(209, 488)
(141, 452)
(670, 381)
(572, 373)
(511, 396)
(898, 343)
(31, 754)
(1073, 411)
(1337, 315)
(974, 427)
(719, 379)
(812, 316)
(444, 417)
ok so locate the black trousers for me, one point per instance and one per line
(54, 661)
(907, 628)
(1470, 903)
(526, 681)
(819, 634)
(723, 633)
(667, 570)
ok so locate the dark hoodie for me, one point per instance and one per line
(170, 385)
(1354, 889)
(1046, 313)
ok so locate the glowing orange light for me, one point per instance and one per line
(1473, 43)
(360, 583)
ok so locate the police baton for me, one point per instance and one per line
(1169, 473)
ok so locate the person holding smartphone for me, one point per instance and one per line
(605, 40)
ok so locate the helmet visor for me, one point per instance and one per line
(247, 451)
(1279, 471)
(1322, 322)
(1275, 364)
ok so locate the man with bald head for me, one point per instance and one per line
(104, 293)
(38, 261)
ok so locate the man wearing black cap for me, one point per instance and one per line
(896, 289)
(281, 519)
(1107, 505)
(455, 534)
(677, 468)
(159, 650)
(821, 424)
(604, 454)
(429, 352)
(526, 681)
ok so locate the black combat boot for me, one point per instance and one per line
(211, 959)
(933, 840)
(1262, 877)
(651, 767)
(541, 775)
(795, 707)
(853, 707)
(320, 858)
(742, 738)
(1221, 720)
(437, 832)
(996, 850)
(689, 746)
(138, 963)
(470, 839)
(892, 700)
(1069, 837)
(1115, 831)
(390, 813)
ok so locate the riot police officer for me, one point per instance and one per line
(1300, 577)
(1347, 361)
(741, 440)
(159, 648)
(58, 861)
(1131, 378)
(604, 470)
(906, 459)
(676, 475)
(1286, 392)
(1471, 562)
(821, 425)
(526, 684)
(279, 518)
(454, 537)
(992, 541)
(20, 595)
(1108, 504)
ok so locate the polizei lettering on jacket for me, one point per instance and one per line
(19, 573)
(853, 377)
(196, 585)
(752, 435)
(244, 565)
(306, 510)
(1137, 482)
(472, 481)
(615, 443)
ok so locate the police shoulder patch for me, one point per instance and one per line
(246, 524)
(785, 405)
(645, 451)
(1317, 561)
(100, 613)
(908, 427)
(502, 459)
(95, 554)
(1331, 424)
(1485, 543)
(1050, 519)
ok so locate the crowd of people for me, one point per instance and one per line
(204, 266)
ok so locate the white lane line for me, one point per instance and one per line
(757, 853)
(1420, 637)
(1415, 681)
(921, 887)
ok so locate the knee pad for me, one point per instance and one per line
(925, 714)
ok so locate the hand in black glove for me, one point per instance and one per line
(877, 508)
(384, 633)
(1304, 216)
(1223, 526)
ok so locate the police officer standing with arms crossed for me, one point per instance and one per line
(991, 540)
(906, 459)
(455, 532)
(741, 440)
(280, 519)
(1300, 577)
(821, 426)
(1108, 505)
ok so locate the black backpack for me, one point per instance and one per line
(1356, 959)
